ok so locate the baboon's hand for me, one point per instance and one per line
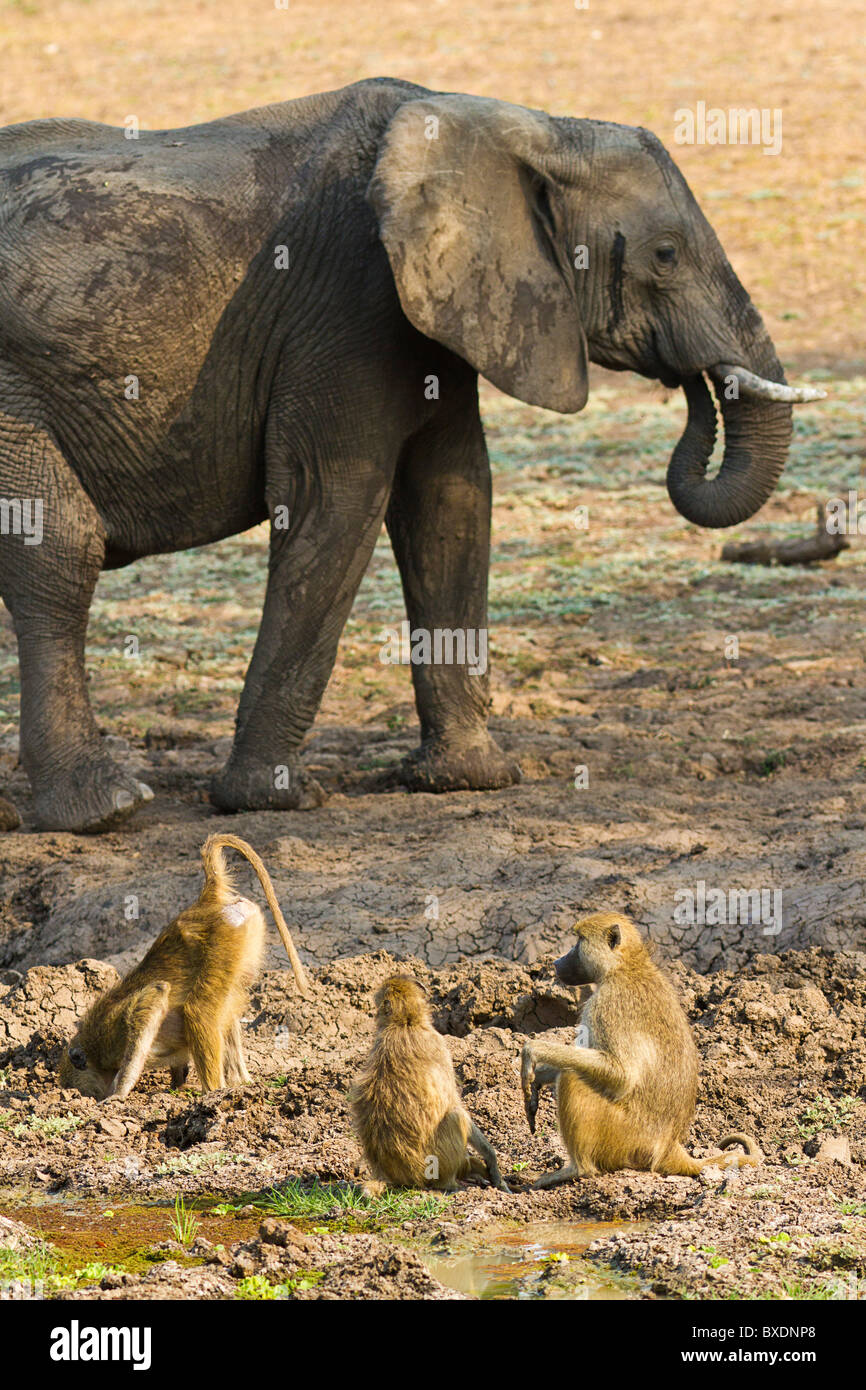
(529, 1084)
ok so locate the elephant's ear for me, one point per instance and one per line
(474, 232)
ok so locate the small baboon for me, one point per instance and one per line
(405, 1105)
(185, 999)
(627, 1099)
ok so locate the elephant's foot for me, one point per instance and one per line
(454, 766)
(9, 817)
(90, 798)
(244, 785)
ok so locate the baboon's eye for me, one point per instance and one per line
(78, 1058)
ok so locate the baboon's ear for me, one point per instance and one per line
(614, 937)
(467, 193)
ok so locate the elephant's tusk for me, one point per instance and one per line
(761, 389)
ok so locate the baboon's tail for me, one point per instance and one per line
(753, 1155)
(750, 1159)
(219, 875)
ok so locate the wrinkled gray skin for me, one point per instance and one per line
(304, 388)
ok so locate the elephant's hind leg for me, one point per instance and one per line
(48, 570)
(439, 525)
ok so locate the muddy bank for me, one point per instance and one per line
(782, 1056)
(795, 1235)
(446, 878)
(279, 1261)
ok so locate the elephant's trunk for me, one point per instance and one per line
(757, 435)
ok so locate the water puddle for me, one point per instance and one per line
(84, 1229)
(541, 1260)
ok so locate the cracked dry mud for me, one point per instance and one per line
(783, 1057)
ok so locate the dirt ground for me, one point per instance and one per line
(783, 1057)
(657, 753)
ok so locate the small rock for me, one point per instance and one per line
(115, 1129)
(218, 1256)
(835, 1149)
(276, 1231)
(15, 1236)
(9, 817)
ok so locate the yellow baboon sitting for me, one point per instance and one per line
(405, 1104)
(627, 1099)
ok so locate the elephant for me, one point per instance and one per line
(205, 328)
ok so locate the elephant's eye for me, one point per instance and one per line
(666, 254)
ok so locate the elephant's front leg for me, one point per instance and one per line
(316, 565)
(439, 523)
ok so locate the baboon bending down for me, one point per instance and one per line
(406, 1108)
(627, 1099)
(186, 997)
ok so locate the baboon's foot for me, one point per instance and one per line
(566, 1174)
(244, 785)
(373, 1189)
(91, 797)
(439, 766)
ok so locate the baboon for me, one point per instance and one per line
(185, 999)
(627, 1099)
(405, 1105)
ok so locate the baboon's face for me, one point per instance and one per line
(570, 969)
(595, 952)
(77, 1074)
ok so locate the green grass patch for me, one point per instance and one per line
(184, 1223)
(40, 1271)
(48, 1125)
(343, 1203)
(255, 1287)
(826, 1114)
